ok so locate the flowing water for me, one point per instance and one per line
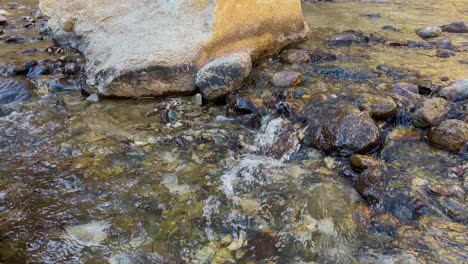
(110, 183)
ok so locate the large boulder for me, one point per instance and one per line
(155, 47)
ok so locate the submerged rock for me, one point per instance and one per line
(456, 27)
(347, 38)
(451, 134)
(172, 41)
(223, 75)
(430, 110)
(14, 91)
(294, 56)
(429, 32)
(445, 53)
(341, 127)
(287, 78)
(378, 106)
(362, 162)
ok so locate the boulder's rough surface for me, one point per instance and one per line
(156, 47)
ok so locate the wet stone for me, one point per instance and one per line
(287, 79)
(26, 68)
(223, 75)
(342, 128)
(429, 112)
(244, 111)
(406, 94)
(456, 27)
(71, 68)
(450, 134)
(429, 32)
(362, 162)
(93, 98)
(378, 106)
(14, 91)
(294, 56)
(458, 91)
(373, 15)
(15, 40)
(445, 53)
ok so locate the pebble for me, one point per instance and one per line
(390, 28)
(197, 99)
(429, 32)
(287, 79)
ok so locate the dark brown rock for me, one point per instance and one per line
(342, 128)
(378, 106)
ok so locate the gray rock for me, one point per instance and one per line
(197, 99)
(458, 91)
(451, 134)
(445, 53)
(456, 27)
(429, 32)
(14, 91)
(429, 111)
(223, 75)
(287, 78)
(94, 98)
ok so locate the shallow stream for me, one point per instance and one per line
(109, 182)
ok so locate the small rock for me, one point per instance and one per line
(319, 55)
(431, 110)
(29, 51)
(378, 106)
(244, 111)
(14, 91)
(390, 28)
(294, 56)
(373, 15)
(223, 75)
(456, 27)
(347, 38)
(429, 32)
(12, 5)
(3, 20)
(197, 99)
(26, 68)
(458, 91)
(15, 40)
(287, 78)
(445, 53)
(362, 162)
(38, 70)
(94, 98)
(4, 13)
(406, 94)
(403, 134)
(451, 134)
(71, 68)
